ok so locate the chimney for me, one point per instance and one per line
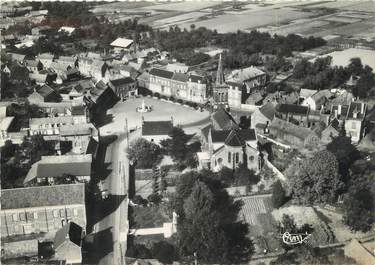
(362, 108)
(339, 109)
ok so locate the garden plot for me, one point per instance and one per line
(321, 234)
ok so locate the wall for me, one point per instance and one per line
(23, 248)
(41, 219)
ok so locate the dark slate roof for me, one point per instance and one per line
(161, 73)
(156, 127)
(223, 118)
(292, 108)
(122, 81)
(59, 169)
(180, 77)
(45, 90)
(43, 196)
(356, 107)
(196, 78)
(219, 136)
(78, 110)
(69, 232)
(268, 110)
(233, 137)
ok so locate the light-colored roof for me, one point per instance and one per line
(357, 252)
(5, 123)
(242, 75)
(305, 93)
(3, 111)
(56, 166)
(67, 29)
(122, 42)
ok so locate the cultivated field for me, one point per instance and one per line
(250, 19)
(187, 6)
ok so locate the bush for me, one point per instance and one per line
(164, 252)
(164, 97)
(139, 200)
(156, 95)
(154, 198)
(179, 101)
(172, 99)
(278, 195)
(194, 105)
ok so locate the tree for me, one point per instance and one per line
(345, 152)
(144, 153)
(278, 195)
(359, 210)
(208, 219)
(200, 231)
(244, 176)
(316, 179)
(358, 206)
(164, 252)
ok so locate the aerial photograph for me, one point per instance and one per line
(187, 132)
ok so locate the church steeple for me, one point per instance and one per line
(220, 74)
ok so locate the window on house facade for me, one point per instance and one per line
(22, 217)
(15, 217)
(251, 158)
(237, 158)
(229, 157)
(353, 125)
(55, 213)
(35, 215)
(75, 212)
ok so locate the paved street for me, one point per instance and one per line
(117, 184)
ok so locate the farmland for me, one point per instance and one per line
(318, 19)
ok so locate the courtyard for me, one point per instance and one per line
(186, 117)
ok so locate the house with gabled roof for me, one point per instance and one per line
(222, 120)
(318, 99)
(44, 94)
(33, 65)
(41, 209)
(122, 44)
(229, 148)
(354, 120)
(68, 243)
(156, 131)
(124, 87)
(51, 168)
(263, 115)
(293, 134)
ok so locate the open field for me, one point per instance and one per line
(187, 6)
(249, 19)
(342, 58)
